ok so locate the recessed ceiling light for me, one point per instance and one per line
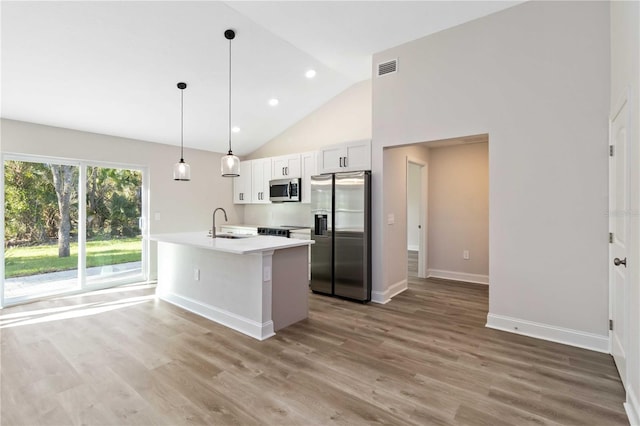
(235, 129)
(273, 102)
(310, 73)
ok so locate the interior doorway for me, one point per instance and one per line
(451, 239)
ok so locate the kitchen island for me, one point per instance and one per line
(255, 285)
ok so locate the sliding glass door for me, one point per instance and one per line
(40, 229)
(113, 234)
(70, 227)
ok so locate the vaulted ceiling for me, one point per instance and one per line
(112, 67)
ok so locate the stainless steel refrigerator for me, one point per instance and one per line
(341, 229)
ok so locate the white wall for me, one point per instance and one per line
(344, 118)
(459, 211)
(535, 77)
(625, 75)
(183, 206)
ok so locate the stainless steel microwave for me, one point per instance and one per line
(281, 190)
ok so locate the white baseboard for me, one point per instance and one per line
(229, 319)
(413, 248)
(632, 407)
(383, 297)
(458, 276)
(581, 339)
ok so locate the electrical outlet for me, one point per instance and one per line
(156, 216)
(196, 274)
(465, 254)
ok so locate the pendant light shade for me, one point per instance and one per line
(230, 164)
(181, 170)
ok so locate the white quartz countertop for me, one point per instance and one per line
(252, 244)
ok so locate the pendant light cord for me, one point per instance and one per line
(181, 125)
(229, 96)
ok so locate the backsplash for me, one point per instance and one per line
(276, 214)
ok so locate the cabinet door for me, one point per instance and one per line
(286, 166)
(260, 177)
(330, 159)
(357, 156)
(242, 184)
(309, 168)
(346, 157)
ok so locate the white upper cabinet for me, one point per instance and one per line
(252, 186)
(345, 157)
(242, 184)
(330, 159)
(309, 164)
(260, 177)
(286, 166)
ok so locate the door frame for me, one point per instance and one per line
(619, 106)
(423, 235)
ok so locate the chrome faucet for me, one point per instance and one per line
(213, 230)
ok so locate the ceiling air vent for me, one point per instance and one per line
(388, 67)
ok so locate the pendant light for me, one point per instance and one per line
(181, 170)
(230, 164)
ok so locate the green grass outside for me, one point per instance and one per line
(25, 261)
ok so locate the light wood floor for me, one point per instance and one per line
(425, 358)
(412, 263)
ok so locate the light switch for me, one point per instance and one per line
(156, 216)
(196, 274)
(465, 254)
(391, 219)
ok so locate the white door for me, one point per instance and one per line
(619, 227)
(416, 208)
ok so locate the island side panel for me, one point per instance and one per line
(229, 290)
(290, 286)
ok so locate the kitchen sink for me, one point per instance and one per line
(232, 236)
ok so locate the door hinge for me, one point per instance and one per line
(611, 325)
(611, 150)
(610, 237)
